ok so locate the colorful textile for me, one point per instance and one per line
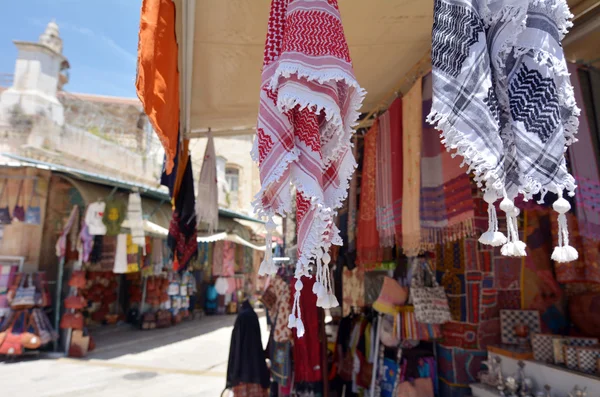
(502, 96)
(586, 269)
(281, 332)
(114, 215)
(385, 209)
(250, 390)
(309, 102)
(182, 230)
(395, 114)
(447, 208)
(352, 204)
(367, 239)
(207, 200)
(353, 289)
(217, 262)
(228, 259)
(61, 243)
(584, 163)
(412, 104)
(307, 349)
(157, 82)
(459, 367)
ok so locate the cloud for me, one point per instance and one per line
(110, 43)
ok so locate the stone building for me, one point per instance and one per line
(39, 120)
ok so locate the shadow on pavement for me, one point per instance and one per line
(120, 340)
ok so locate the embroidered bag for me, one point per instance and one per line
(4, 211)
(78, 279)
(430, 302)
(71, 321)
(19, 210)
(33, 215)
(25, 295)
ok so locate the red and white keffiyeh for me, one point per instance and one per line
(309, 103)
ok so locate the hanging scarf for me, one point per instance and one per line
(61, 243)
(385, 209)
(309, 102)
(136, 220)
(352, 204)
(585, 170)
(207, 201)
(367, 239)
(447, 207)
(503, 101)
(395, 112)
(412, 104)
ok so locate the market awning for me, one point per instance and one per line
(157, 193)
(234, 238)
(220, 52)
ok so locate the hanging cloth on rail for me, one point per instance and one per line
(503, 100)
(309, 104)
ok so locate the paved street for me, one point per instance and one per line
(187, 360)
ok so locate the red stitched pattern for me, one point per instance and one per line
(302, 207)
(275, 31)
(265, 144)
(306, 127)
(315, 33)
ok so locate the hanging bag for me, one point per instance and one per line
(30, 337)
(33, 215)
(75, 302)
(4, 211)
(11, 342)
(19, 210)
(71, 321)
(430, 301)
(78, 279)
(24, 295)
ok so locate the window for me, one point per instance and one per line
(232, 176)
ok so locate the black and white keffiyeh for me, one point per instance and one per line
(503, 100)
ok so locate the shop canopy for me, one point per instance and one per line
(219, 46)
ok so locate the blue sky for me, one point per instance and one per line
(99, 39)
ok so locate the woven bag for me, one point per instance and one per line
(430, 302)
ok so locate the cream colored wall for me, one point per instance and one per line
(236, 150)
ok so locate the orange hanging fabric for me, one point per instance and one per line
(157, 81)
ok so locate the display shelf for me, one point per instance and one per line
(562, 380)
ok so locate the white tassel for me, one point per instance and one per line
(492, 236)
(267, 267)
(513, 246)
(295, 318)
(563, 252)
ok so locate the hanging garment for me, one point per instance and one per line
(207, 201)
(182, 230)
(246, 355)
(307, 348)
(503, 100)
(93, 218)
(309, 102)
(447, 209)
(412, 104)
(367, 239)
(395, 114)
(228, 259)
(352, 204)
(120, 264)
(61, 243)
(385, 209)
(114, 215)
(135, 219)
(157, 82)
(283, 308)
(584, 162)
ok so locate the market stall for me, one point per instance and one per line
(414, 224)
